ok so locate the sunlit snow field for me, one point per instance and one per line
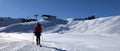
(102, 34)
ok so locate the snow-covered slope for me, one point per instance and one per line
(108, 25)
(47, 25)
(19, 27)
(4, 21)
(102, 34)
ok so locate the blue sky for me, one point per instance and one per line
(60, 8)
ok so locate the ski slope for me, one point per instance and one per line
(58, 42)
(102, 34)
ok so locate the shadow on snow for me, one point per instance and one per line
(57, 49)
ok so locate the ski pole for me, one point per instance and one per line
(42, 38)
(33, 39)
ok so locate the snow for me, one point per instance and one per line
(57, 42)
(7, 21)
(102, 34)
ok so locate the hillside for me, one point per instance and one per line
(5, 21)
(108, 25)
(102, 34)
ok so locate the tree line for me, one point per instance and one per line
(36, 18)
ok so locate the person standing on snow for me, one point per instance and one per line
(37, 33)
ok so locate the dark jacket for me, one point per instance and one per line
(38, 28)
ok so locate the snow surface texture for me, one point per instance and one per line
(108, 25)
(60, 42)
(102, 34)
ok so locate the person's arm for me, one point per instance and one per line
(34, 30)
(40, 28)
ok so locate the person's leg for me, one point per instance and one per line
(36, 40)
(39, 40)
